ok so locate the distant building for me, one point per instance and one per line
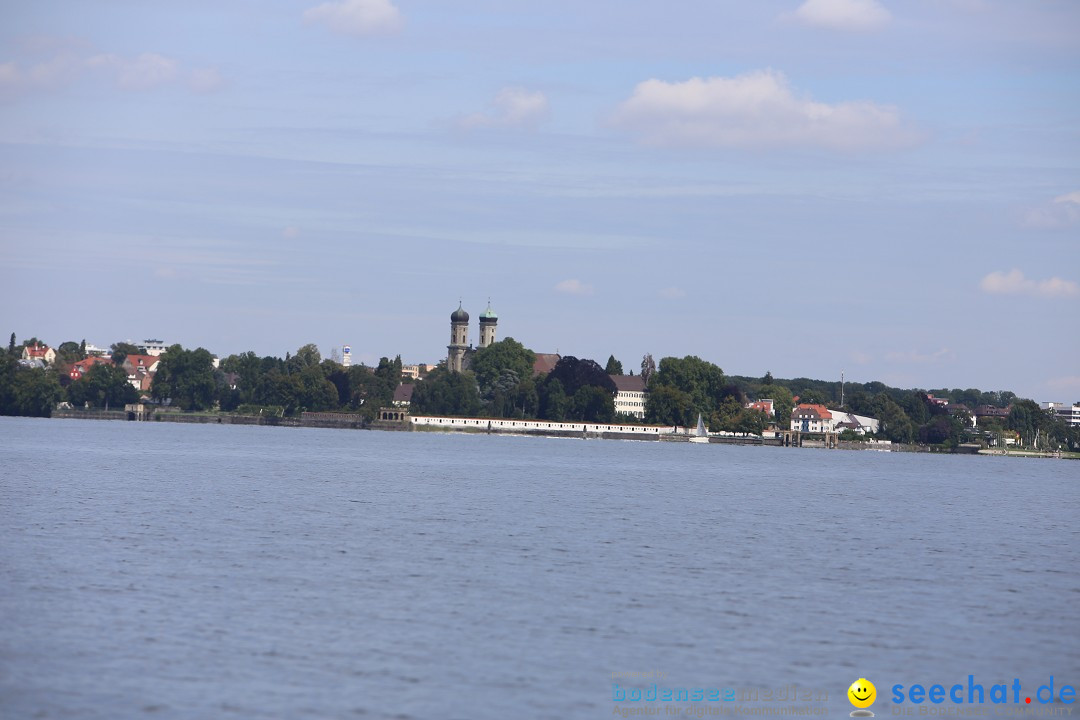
(140, 370)
(545, 363)
(940, 402)
(154, 348)
(83, 366)
(1069, 413)
(346, 356)
(403, 395)
(44, 353)
(416, 372)
(859, 424)
(96, 351)
(765, 406)
(459, 352)
(630, 395)
(809, 418)
(989, 412)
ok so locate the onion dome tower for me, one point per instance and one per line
(488, 319)
(459, 339)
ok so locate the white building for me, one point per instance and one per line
(860, 424)
(153, 348)
(630, 394)
(1069, 413)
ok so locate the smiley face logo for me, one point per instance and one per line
(862, 693)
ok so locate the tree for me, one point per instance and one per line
(593, 404)
(306, 356)
(69, 353)
(894, 423)
(120, 351)
(11, 345)
(446, 393)
(104, 385)
(767, 379)
(648, 368)
(36, 392)
(703, 381)
(669, 405)
(614, 367)
(554, 405)
(573, 374)
(186, 377)
(489, 363)
(782, 402)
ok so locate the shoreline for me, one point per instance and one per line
(498, 426)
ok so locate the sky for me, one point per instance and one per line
(885, 189)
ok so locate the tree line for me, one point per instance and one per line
(501, 383)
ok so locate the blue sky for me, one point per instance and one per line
(889, 189)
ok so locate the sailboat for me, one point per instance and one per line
(700, 434)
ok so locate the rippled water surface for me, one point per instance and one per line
(162, 570)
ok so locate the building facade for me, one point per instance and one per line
(630, 395)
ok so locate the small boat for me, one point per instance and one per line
(700, 434)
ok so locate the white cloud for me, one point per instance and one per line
(145, 72)
(914, 357)
(755, 110)
(672, 293)
(851, 15)
(574, 286)
(41, 76)
(205, 80)
(356, 17)
(1014, 283)
(1062, 211)
(512, 107)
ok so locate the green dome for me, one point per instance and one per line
(488, 315)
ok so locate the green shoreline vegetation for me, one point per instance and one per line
(501, 384)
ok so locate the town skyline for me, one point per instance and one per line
(780, 186)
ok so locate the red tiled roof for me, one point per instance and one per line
(36, 351)
(820, 410)
(135, 361)
(545, 363)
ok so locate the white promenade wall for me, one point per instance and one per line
(537, 426)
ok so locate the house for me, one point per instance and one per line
(140, 370)
(859, 424)
(44, 353)
(630, 395)
(545, 363)
(403, 395)
(989, 412)
(80, 368)
(810, 418)
(415, 372)
(765, 406)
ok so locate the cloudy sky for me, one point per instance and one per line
(889, 189)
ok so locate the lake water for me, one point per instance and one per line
(190, 571)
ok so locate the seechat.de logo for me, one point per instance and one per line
(973, 693)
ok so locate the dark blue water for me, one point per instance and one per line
(171, 571)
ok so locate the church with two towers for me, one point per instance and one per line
(459, 352)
